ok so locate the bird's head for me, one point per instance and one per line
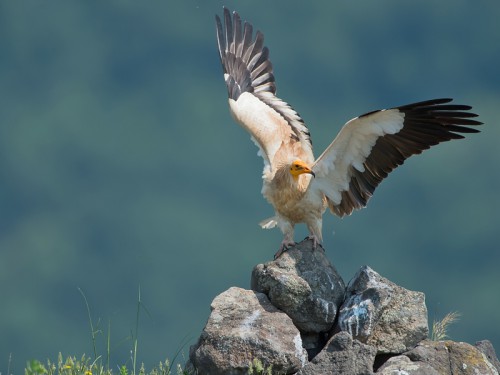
(298, 167)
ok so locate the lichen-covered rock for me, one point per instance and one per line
(401, 364)
(342, 355)
(382, 314)
(487, 349)
(304, 284)
(452, 358)
(244, 326)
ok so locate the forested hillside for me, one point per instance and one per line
(121, 168)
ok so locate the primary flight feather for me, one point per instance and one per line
(344, 177)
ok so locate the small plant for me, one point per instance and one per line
(123, 370)
(35, 367)
(257, 368)
(70, 366)
(440, 327)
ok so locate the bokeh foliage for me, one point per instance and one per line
(121, 168)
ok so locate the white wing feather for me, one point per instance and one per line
(267, 128)
(350, 149)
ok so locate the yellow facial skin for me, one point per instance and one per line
(298, 167)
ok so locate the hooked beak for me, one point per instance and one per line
(306, 170)
(299, 167)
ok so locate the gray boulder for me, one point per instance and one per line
(304, 284)
(342, 355)
(244, 326)
(451, 358)
(382, 314)
(401, 364)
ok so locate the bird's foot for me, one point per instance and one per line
(316, 242)
(285, 245)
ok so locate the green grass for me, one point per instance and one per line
(87, 366)
(99, 364)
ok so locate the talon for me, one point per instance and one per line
(280, 251)
(283, 248)
(315, 242)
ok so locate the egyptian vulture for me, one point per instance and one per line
(346, 174)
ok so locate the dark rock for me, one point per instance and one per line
(244, 326)
(304, 284)
(342, 355)
(313, 343)
(382, 314)
(452, 358)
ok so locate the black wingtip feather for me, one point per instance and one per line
(244, 59)
(425, 103)
(425, 124)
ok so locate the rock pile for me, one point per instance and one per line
(300, 318)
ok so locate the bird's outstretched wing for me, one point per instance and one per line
(274, 126)
(370, 146)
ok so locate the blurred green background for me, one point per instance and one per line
(121, 168)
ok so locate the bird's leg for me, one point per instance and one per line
(287, 229)
(285, 245)
(315, 234)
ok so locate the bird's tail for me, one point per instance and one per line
(269, 223)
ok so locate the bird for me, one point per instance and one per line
(344, 177)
